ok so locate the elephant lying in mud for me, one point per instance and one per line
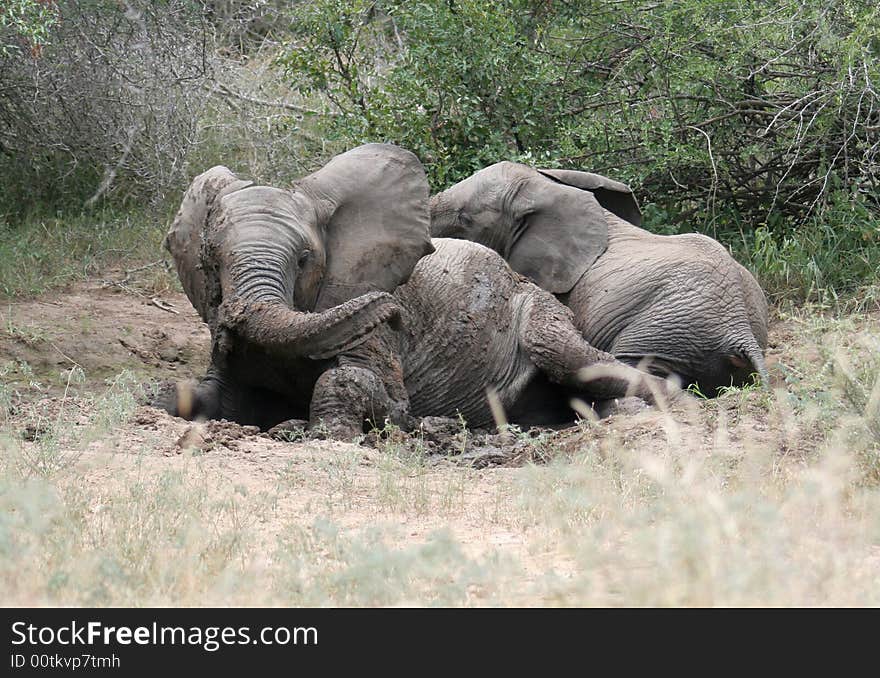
(296, 288)
(674, 304)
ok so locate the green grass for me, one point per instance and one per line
(38, 253)
(833, 261)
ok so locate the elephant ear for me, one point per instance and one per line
(561, 233)
(372, 205)
(612, 195)
(184, 238)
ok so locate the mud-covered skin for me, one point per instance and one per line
(363, 386)
(322, 305)
(288, 281)
(471, 323)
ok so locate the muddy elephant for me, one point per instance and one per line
(330, 302)
(673, 304)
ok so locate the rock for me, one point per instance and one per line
(438, 429)
(169, 353)
(288, 431)
(192, 437)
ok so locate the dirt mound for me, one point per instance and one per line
(101, 330)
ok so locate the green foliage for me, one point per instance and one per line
(25, 23)
(831, 254)
(454, 82)
(755, 122)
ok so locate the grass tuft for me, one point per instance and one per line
(38, 252)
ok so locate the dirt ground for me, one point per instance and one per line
(63, 349)
(106, 329)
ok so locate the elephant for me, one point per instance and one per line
(674, 304)
(330, 302)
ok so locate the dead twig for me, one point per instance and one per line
(220, 88)
(122, 284)
(164, 305)
(125, 288)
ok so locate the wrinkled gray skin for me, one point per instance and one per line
(676, 305)
(295, 286)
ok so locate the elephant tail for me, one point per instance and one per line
(752, 353)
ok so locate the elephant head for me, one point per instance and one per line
(549, 224)
(306, 269)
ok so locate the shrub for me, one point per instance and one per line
(725, 117)
(454, 82)
(109, 102)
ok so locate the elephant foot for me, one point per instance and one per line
(189, 399)
(348, 396)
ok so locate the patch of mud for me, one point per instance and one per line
(447, 439)
(209, 435)
(732, 425)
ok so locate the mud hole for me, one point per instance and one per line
(62, 355)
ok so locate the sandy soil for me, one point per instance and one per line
(104, 329)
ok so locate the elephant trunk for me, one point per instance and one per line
(277, 327)
(260, 306)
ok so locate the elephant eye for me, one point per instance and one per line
(464, 219)
(304, 257)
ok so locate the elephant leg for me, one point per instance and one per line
(345, 397)
(200, 401)
(218, 396)
(558, 349)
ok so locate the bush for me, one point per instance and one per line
(255, 124)
(126, 101)
(725, 118)
(109, 101)
(455, 82)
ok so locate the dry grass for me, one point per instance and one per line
(755, 498)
